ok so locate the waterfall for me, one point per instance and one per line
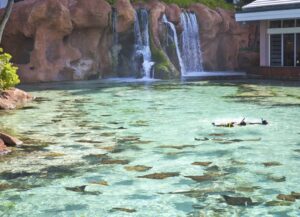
(142, 44)
(191, 48)
(115, 47)
(175, 38)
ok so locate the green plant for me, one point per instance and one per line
(8, 72)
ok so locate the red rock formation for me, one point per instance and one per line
(222, 38)
(10, 140)
(3, 148)
(14, 98)
(55, 40)
(59, 40)
(126, 15)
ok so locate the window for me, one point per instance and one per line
(284, 43)
(284, 23)
(285, 49)
(289, 51)
(275, 50)
(288, 23)
(298, 49)
(275, 24)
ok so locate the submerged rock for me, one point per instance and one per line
(179, 147)
(77, 188)
(238, 201)
(272, 163)
(114, 161)
(247, 189)
(197, 193)
(295, 195)
(8, 175)
(5, 186)
(202, 178)
(214, 168)
(94, 158)
(102, 182)
(278, 203)
(88, 141)
(10, 140)
(123, 210)
(14, 98)
(205, 163)
(137, 168)
(218, 134)
(160, 175)
(286, 197)
(277, 178)
(54, 155)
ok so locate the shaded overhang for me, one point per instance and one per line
(269, 10)
(268, 15)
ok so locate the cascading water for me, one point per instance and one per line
(191, 48)
(115, 47)
(142, 44)
(175, 38)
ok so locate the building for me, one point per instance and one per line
(279, 22)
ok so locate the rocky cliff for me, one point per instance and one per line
(55, 40)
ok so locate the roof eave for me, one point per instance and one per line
(267, 15)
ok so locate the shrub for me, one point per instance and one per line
(8, 72)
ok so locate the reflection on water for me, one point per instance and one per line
(149, 149)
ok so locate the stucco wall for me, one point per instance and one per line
(264, 44)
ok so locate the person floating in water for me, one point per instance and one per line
(241, 123)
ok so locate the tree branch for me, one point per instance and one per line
(5, 17)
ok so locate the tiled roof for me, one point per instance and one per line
(270, 3)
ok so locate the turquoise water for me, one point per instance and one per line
(92, 133)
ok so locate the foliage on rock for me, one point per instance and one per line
(8, 72)
(185, 3)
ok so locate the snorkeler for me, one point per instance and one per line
(263, 122)
(230, 124)
(241, 123)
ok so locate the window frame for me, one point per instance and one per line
(282, 31)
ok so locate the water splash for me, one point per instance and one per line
(174, 35)
(191, 48)
(142, 44)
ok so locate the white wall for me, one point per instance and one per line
(3, 3)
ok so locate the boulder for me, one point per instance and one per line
(222, 39)
(90, 14)
(156, 12)
(173, 13)
(126, 15)
(40, 36)
(10, 140)
(14, 98)
(3, 148)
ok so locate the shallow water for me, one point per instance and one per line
(78, 130)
